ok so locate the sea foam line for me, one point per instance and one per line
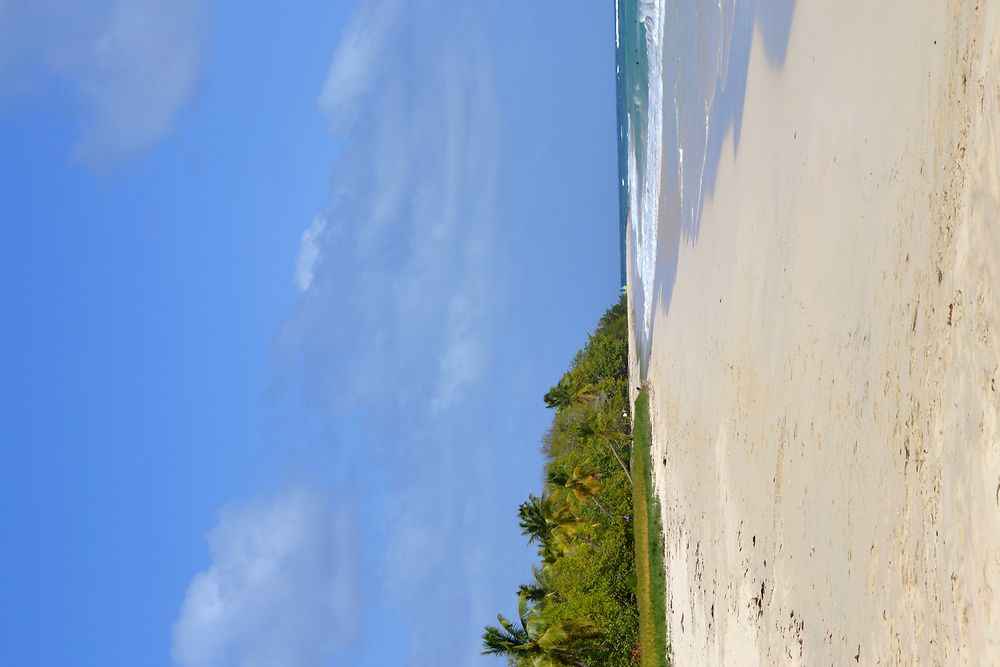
(644, 221)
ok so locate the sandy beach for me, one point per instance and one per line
(826, 379)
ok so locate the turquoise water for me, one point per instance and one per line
(639, 39)
(631, 68)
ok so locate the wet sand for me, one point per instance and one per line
(826, 381)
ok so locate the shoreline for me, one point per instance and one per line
(824, 387)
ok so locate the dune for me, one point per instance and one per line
(825, 366)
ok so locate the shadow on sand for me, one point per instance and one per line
(773, 21)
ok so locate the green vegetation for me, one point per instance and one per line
(581, 609)
(651, 575)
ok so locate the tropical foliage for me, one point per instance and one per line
(580, 607)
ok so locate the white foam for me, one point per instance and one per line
(617, 31)
(699, 62)
(644, 208)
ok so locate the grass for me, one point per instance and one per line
(650, 569)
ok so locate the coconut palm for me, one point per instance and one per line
(582, 484)
(560, 395)
(600, 426)
(566, 393)
(554, 528)
(539, 591)
(533, 519)
(539, 641)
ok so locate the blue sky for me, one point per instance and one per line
(284, 289)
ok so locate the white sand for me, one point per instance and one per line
(826, 382)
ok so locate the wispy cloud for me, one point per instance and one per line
(133, 63)
(305, 263)
(358, 60)
(401, 254)
(281, 589)
(394, 323)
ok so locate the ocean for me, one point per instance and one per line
(672, 60)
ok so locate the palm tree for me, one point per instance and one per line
(560, 395)
(565, 393)
(594, 393)
(582, 484)
(538, 641)
(508, 639)
(532, 514)
(539, 591)
(599, 426)
(553, 529)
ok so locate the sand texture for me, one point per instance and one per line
(826, 379)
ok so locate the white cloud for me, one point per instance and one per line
(403, 262)
(357, 60)
(139, 72)
(133, 63)
(305, 263)
(398, 321)
(280, 591)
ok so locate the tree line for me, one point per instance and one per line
(579, 607)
